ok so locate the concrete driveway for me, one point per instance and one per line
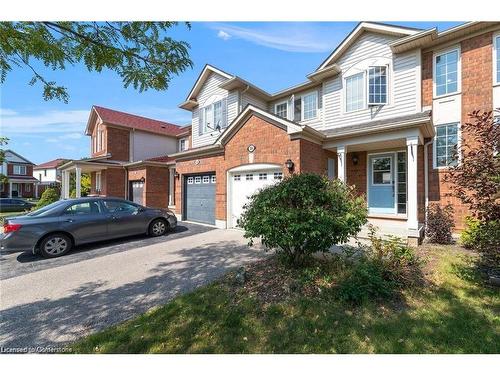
(61, 302)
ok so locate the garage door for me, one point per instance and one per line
(200, 198)
(136, 190)
(243, 185)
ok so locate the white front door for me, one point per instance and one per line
(243, 185)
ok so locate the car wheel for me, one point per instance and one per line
(55, 245)
(158, 227)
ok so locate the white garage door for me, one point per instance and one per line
(243, 185)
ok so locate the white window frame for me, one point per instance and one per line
(185, 140)
(213, 179)
(206, 180)
(391, 171)
(197, 180)
(263, 176)
(190, 180)
(496, 48)
(434, 145)
(211, 106)
(19, 167)
(98, 181)
(302, 106)
(367, 78)
(364, 94)
(435, 55)
(285, 102)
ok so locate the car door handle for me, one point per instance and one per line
(70, 221)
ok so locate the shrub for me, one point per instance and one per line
(50, 195)
(484, 237)
(468, 237)
(302, 215)
(379, 269)
(439, 224)
(366, 281)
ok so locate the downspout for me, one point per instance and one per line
(426, 177)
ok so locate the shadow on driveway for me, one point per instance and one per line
(26, 262)
(92, 306)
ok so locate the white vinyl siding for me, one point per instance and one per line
(403, 83)
(446, 145)
(210, 89)
(446, 72)
(309, 106)
(354, 92)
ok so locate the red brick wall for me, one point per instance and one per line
(113, 182)
(272, 146)
(117, 143)
(94, 134)
(314, 159)
(156, 183)
(10, 169)
(477, 70)
(356, 174)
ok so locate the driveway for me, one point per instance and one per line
(58, 303)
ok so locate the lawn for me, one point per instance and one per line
(453, 313)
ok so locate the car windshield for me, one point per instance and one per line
(46, 210)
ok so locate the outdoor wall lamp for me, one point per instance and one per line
(289, 164)
(176, 174)
(355, 159)
(142, 179)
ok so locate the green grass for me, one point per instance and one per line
(454, 314)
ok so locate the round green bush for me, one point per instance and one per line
(302, 215)
(50, 195)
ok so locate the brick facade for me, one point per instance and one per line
(272, 146)
(118, 143)
(155, 193)
(477, 70)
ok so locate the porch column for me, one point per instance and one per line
(412, 209)
(78, 182)
(10, 189)
(65, 188)
(341, 158)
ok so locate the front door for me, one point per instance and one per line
(136, 190)
(15, 189)
(381, 184)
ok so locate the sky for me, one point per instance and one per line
(271, 55)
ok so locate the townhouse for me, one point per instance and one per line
(47, 176)
(382, 112)
(19, 172)
(128, 157)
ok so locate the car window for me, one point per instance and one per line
(47, 210)
(83, 208)
(119, 206)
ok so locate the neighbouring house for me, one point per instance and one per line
(128, 157)
(47, 176)
(382, 112)
(19, 172)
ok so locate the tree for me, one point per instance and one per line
(84, 184)
(302, 215)
(139, 52)
(476, 182)
(50, 195)
(3, 142)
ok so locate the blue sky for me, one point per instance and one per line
(271, 55)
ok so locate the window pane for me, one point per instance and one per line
(355, 92)
(446, 145)
(310, 105)
(446, 73)
(218, 114)
(282, 109)
(377, 78)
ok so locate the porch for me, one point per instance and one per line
(387, 166)
(107, 177)
(19, 188)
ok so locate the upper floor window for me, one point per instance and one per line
(213, 117)
(355, 92)
(309, 106)
(183, 144)
(377, 85)
(446, 145)
(496, 59)
(20, 169)
(446, 66)
(281, 109)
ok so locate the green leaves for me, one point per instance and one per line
(304, 214)
(141, 53)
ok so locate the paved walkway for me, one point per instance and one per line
(60, 304)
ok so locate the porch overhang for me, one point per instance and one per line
(381, 134)
(89, 166)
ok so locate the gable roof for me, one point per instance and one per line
(49, 164)
(362, 27)
(26, 161)
(128, 120)
(205, 73)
